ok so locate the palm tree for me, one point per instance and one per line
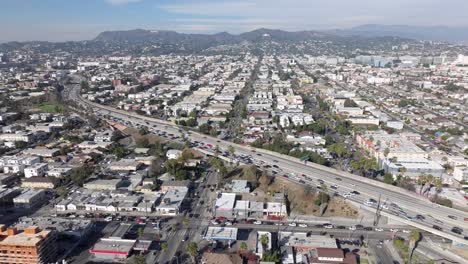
(414, 238)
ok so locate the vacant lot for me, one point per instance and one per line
(51, 108)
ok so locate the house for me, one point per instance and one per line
(112, 184)
(169, 185)
(331, 255)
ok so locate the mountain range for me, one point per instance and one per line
(434, 33)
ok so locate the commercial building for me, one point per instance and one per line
(413, 167)
(30, 199)
(171, 202)
(125, 165)
(39, 183)
(112, 184)
(30, 245)
(113, 249)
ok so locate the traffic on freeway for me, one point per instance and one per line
(395, 203)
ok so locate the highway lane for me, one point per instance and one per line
(410, 202)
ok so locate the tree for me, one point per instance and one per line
(143, 131)
(164, 246)
(192, 250)
(119, 151)
(243, 246)
(414, 238)
(20, 144)
(271, 256)
(138, 259)
(388, 178)
(386, 152)
(142, 142)
(231, 150)
(264, 240)
(322, 198)
(140, 232)
(62, 191)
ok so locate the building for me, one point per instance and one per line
(460, 173)
(101, 185)
(30, 245)
(125, 165)
(39, 183)
(36, 170)
(173, 154)
(30, 199)
(413, 167)
(113, 249)
(171, 202)
(331, 255)
(169, 185)
(215, 233)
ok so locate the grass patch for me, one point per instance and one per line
(51, 108)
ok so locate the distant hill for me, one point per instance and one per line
(141, 35)
(435, 33)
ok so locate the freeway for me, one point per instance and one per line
(410, 203)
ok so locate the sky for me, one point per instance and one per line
(61, 20)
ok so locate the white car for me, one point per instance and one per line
(405, 231)
(258, 222)
(352, 228)
(394, 230)
(302, 225)
(328, 226)
(378, 229)
(228, 223)
(278, 224)
(292, 224)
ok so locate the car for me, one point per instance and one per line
(352, 228)
(248, 222)
(302, 225)
(394, 230)
(328, 226)
(278, 224)
(457, 230)
(258, 222)
(378, 229)
(338, 179)
(368, 228)
(341, 227)
(186, 237)
(406, 231)
(420, 217)
(334, 187)
(452, 217)
(355, 192)
(436, 227)
(292, 224)
(215, 222)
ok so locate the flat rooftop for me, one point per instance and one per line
(221, 233)
(113, 246)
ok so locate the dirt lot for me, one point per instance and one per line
(301, 199)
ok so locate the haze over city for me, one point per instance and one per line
(57, 20)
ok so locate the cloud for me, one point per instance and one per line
(318, 14)
(121, 2)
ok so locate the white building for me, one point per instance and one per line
(36, 170)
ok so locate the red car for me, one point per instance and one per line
(221, 218)
(248, 222)
(286, 176)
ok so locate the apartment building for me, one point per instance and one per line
(30, 245)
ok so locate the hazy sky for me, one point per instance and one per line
(58, 20)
